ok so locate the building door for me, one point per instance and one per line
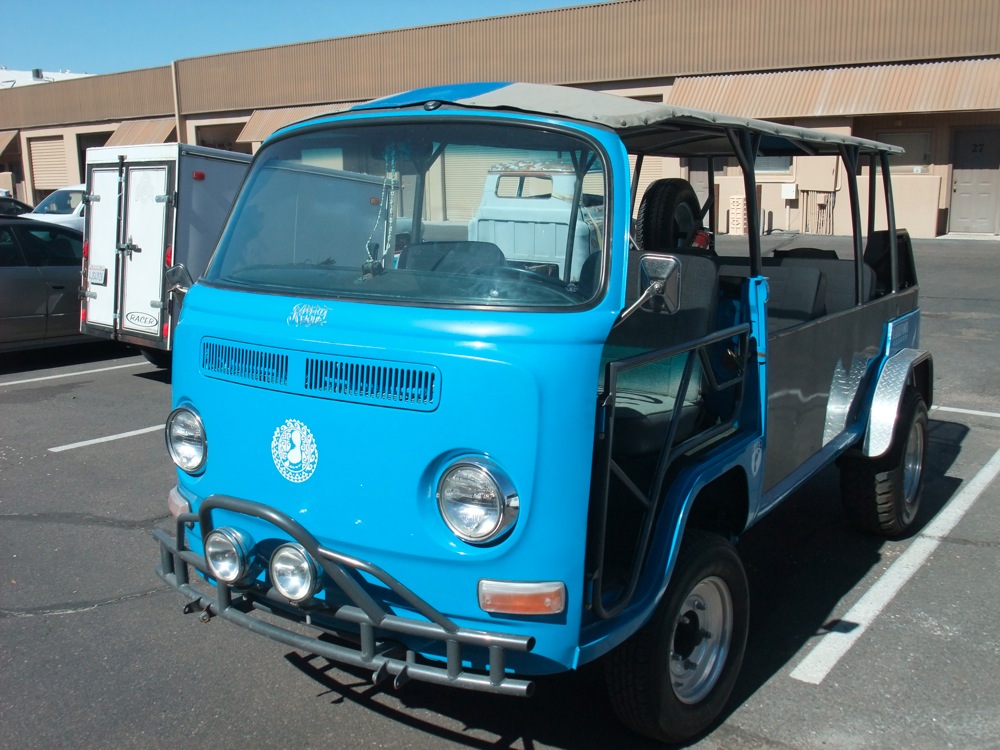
(975, 198)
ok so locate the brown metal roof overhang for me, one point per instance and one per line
(955, 85)
(142, 131)
(6, 136)
(263, 122)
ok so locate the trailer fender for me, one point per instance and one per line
(906, 367)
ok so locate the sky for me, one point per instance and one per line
(110, 36)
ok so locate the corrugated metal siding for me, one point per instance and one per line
(926, 87)
(263, 122)
(616, 41)
(122, 96)
(48, 163)
(594, 44)
(142, 131)
(6, 136)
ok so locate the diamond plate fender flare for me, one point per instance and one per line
(907, 366)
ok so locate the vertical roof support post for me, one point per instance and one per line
(581, 165)
(851, 156)
(713, 211)
(745, 146)
(872, 190)
(890, 215)
(635, 183)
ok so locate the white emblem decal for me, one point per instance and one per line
(308, 315)
(293, 449)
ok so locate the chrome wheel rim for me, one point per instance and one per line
(701, 639)
(913, 462)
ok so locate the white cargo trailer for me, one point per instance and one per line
(150, 207)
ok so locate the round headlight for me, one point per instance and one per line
(293, 572)
(186, 440)
(477, 501)
(227, 552)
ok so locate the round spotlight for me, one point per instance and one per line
(293, 572)
(227, 552)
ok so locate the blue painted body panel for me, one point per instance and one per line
(517, 386)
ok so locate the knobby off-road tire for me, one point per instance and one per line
(671, 680)
(669, 216)
(882, 495)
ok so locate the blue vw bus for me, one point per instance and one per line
(467, 438)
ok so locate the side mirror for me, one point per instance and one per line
(659, 286)
(660, 283)
(178, 279)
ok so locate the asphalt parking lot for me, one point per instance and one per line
(855, 642)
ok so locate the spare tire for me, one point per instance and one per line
(669, 215)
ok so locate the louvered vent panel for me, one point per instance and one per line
(365, 381)
(245, 363)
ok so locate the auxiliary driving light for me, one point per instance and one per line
(227, 552)
(293, 572)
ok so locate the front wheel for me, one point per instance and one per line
(672, 679)
(882, 495)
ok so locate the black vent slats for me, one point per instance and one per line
(367, 381)
(247, 363)
(398, 385)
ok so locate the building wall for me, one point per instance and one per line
(653, 49)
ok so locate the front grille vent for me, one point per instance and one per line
(400, 385)
(245, 363)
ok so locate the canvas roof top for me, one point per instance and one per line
(646, 126)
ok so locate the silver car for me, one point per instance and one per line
(39, 284)
(65, 206)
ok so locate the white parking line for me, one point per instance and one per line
(74, 374)
(973, 412)
(824, 657)
(108, 439)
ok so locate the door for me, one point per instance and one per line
(128, 232)
(102, 241)
(142, 258)
(56, 252)
(22, 294)
(975, 199)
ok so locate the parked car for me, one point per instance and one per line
(13, 207)
(64, 206)
(39, 284)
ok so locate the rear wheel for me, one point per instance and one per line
(157, 357)
(672, 679)
(882, 495)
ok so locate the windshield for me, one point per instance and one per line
(432, 213)
(60, 202)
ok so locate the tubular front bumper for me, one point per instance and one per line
(374, 625)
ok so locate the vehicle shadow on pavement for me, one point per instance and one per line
(157, 376)
(567, 711)
(63, 356)
(794, 585)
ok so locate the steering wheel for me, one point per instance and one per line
(519, 276)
